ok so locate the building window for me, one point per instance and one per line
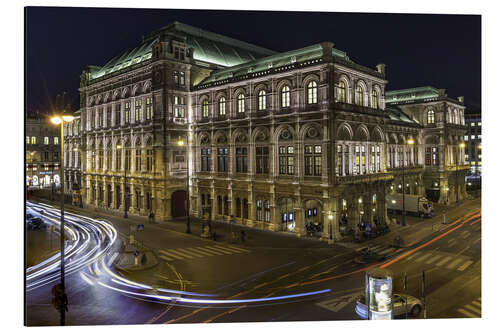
(127, 112)
(138, 106)
(118, 115)
(372, 159)
(377, 159)
(238, 207)
(374, 99)
(46, 140)
(339, 161)
(222, 106)
(206, 159)
(204, 109)
(479, 124)
(226, 205)
(262, 160)
(241, 103)
(241, 159)
(149, 160)
(342, 92)
(219, 205)
(466, 138)
(222, 159)
(259, 210)
(430, 117)
(101, 159)
(118, 159)
(127, 159)
(33, 140)
(100, 117)
(108, 116)
(285, 97)
(182, 76)
(137, 160)
(176, 77)
(149, 108)
(92, 161)
(472, 137)
(267, 211)
(359, 95)
(312, 93)
(312, 156)
(27, 140)
(262, 100)
(286, 160)
(108, 159)
(245, 208)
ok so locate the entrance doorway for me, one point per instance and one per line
(179, 203)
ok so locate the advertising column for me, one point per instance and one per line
(379, 294)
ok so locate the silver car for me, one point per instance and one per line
(413, 306)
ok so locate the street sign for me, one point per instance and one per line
(136, 253)
(140, 227)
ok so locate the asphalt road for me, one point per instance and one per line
(259, 273)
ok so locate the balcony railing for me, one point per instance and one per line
(370, 177)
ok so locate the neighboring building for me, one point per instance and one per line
(294, 141)
(443, 122)
(42, 152)
(473, 143)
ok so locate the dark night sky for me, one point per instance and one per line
(443, 51)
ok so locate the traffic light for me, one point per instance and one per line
(59, 298)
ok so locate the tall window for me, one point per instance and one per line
(222, 159)
(92, 161)
(245, 208)
(374, 99)
(377, 159)
(259, 210)
(219, 205)
(285, 97)
(241, 103)
(27, 140)
(205, 159)
(222, 106)
(100, 117)
(262, 160)
(359, 95)
(312, 156)
(176, 77)
(101, 159)
(238, 207)
(342, 92)
(287, 160)
(33, 140)
(363, 160)
(108, 116)
(182, 78)
(430, 117)
(372, 159)
(149, 160)
(137, 159)
(241, 159)
(267, 211)
(340, 155)
(127, 112)
(204, 109)
(226, 205)
(149, 108)
(312, 93)
(46, 140)
(118, 115)
(262, 100)
(127, 159)
(138, 106)
(357, 167)
(179, 109)
(109, 158)
(118, 159)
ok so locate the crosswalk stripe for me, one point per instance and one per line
(192, 249)
(467, 313)
(425, 256)
(167, 256)
(232, 248)
(166, 259)
(189, 253)
(211, 251)
(170, 254)
(237, 248)
(220, 249)
(476, 303)
(413, 256)
(454, 263)
(444, 261)
(180, 254)
(464, 266)
(473, 309)
(466, 235)
(431, 260)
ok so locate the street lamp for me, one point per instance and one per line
(409, 142)
(125, 215)
(181, 143)
(60, 120)
(461, 145)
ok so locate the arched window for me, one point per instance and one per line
(241, 103)
(359, 95)
(259, 210)
(222, 106)
(342, 92)
(204, 109)
(374, 99)
(455, 117)
(262, 100)
(312, 93)
(430, 117)
(267, 211)
(285, 97)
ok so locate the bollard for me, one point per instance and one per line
(131, 239)
(136, 261)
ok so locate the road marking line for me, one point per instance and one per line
(431, 260)
(211, 251)
(170, 256)
(386, 251)
(476, 303)
(425, 256)
(467, 313)
(192, 249)
(189, 253)
(454, 263)
(229, 248)
(413, 256)
(166, 259)
(176, 251)
(464, 266)
(445, 260)
(173, 253)
(221, 249)
(237, 248)
(473, 309)
(466, 235)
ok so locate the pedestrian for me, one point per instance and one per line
(243, 234)
(214, 236)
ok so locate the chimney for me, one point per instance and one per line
(461, 99)
(327, 50)
(381, 69)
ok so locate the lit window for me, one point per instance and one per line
(56, 140)
(182, 79)
(205, 109)
(285, 97)
(27, 140)
(312, 92)
(466, 138)
(479, 124)
(222, 106)
(374, 99)
(473, 124)
(262, 100)
(241, 103)
(430, 117)
(359, 95)
(46, 140)
(33, 140)
(472, 137)
(342, 93)
(479, 136)
(149, 108)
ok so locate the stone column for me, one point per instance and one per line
(300, 229)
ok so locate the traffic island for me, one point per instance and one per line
(131, 259)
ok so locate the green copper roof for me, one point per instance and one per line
(409, 95)
(208, 47)
(396, 114)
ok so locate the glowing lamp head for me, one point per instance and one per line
(118, 146)
(330, 217)
(462, 145)
(180, 142)
(68, 118)
(411, 141)
(56, 120)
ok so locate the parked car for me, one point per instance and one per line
(36, 223)
(413, 307)
(29, 216)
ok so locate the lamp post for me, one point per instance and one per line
(181, 143)
(60, 120)
(410, 142)
(461, 145)
(125, 215)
